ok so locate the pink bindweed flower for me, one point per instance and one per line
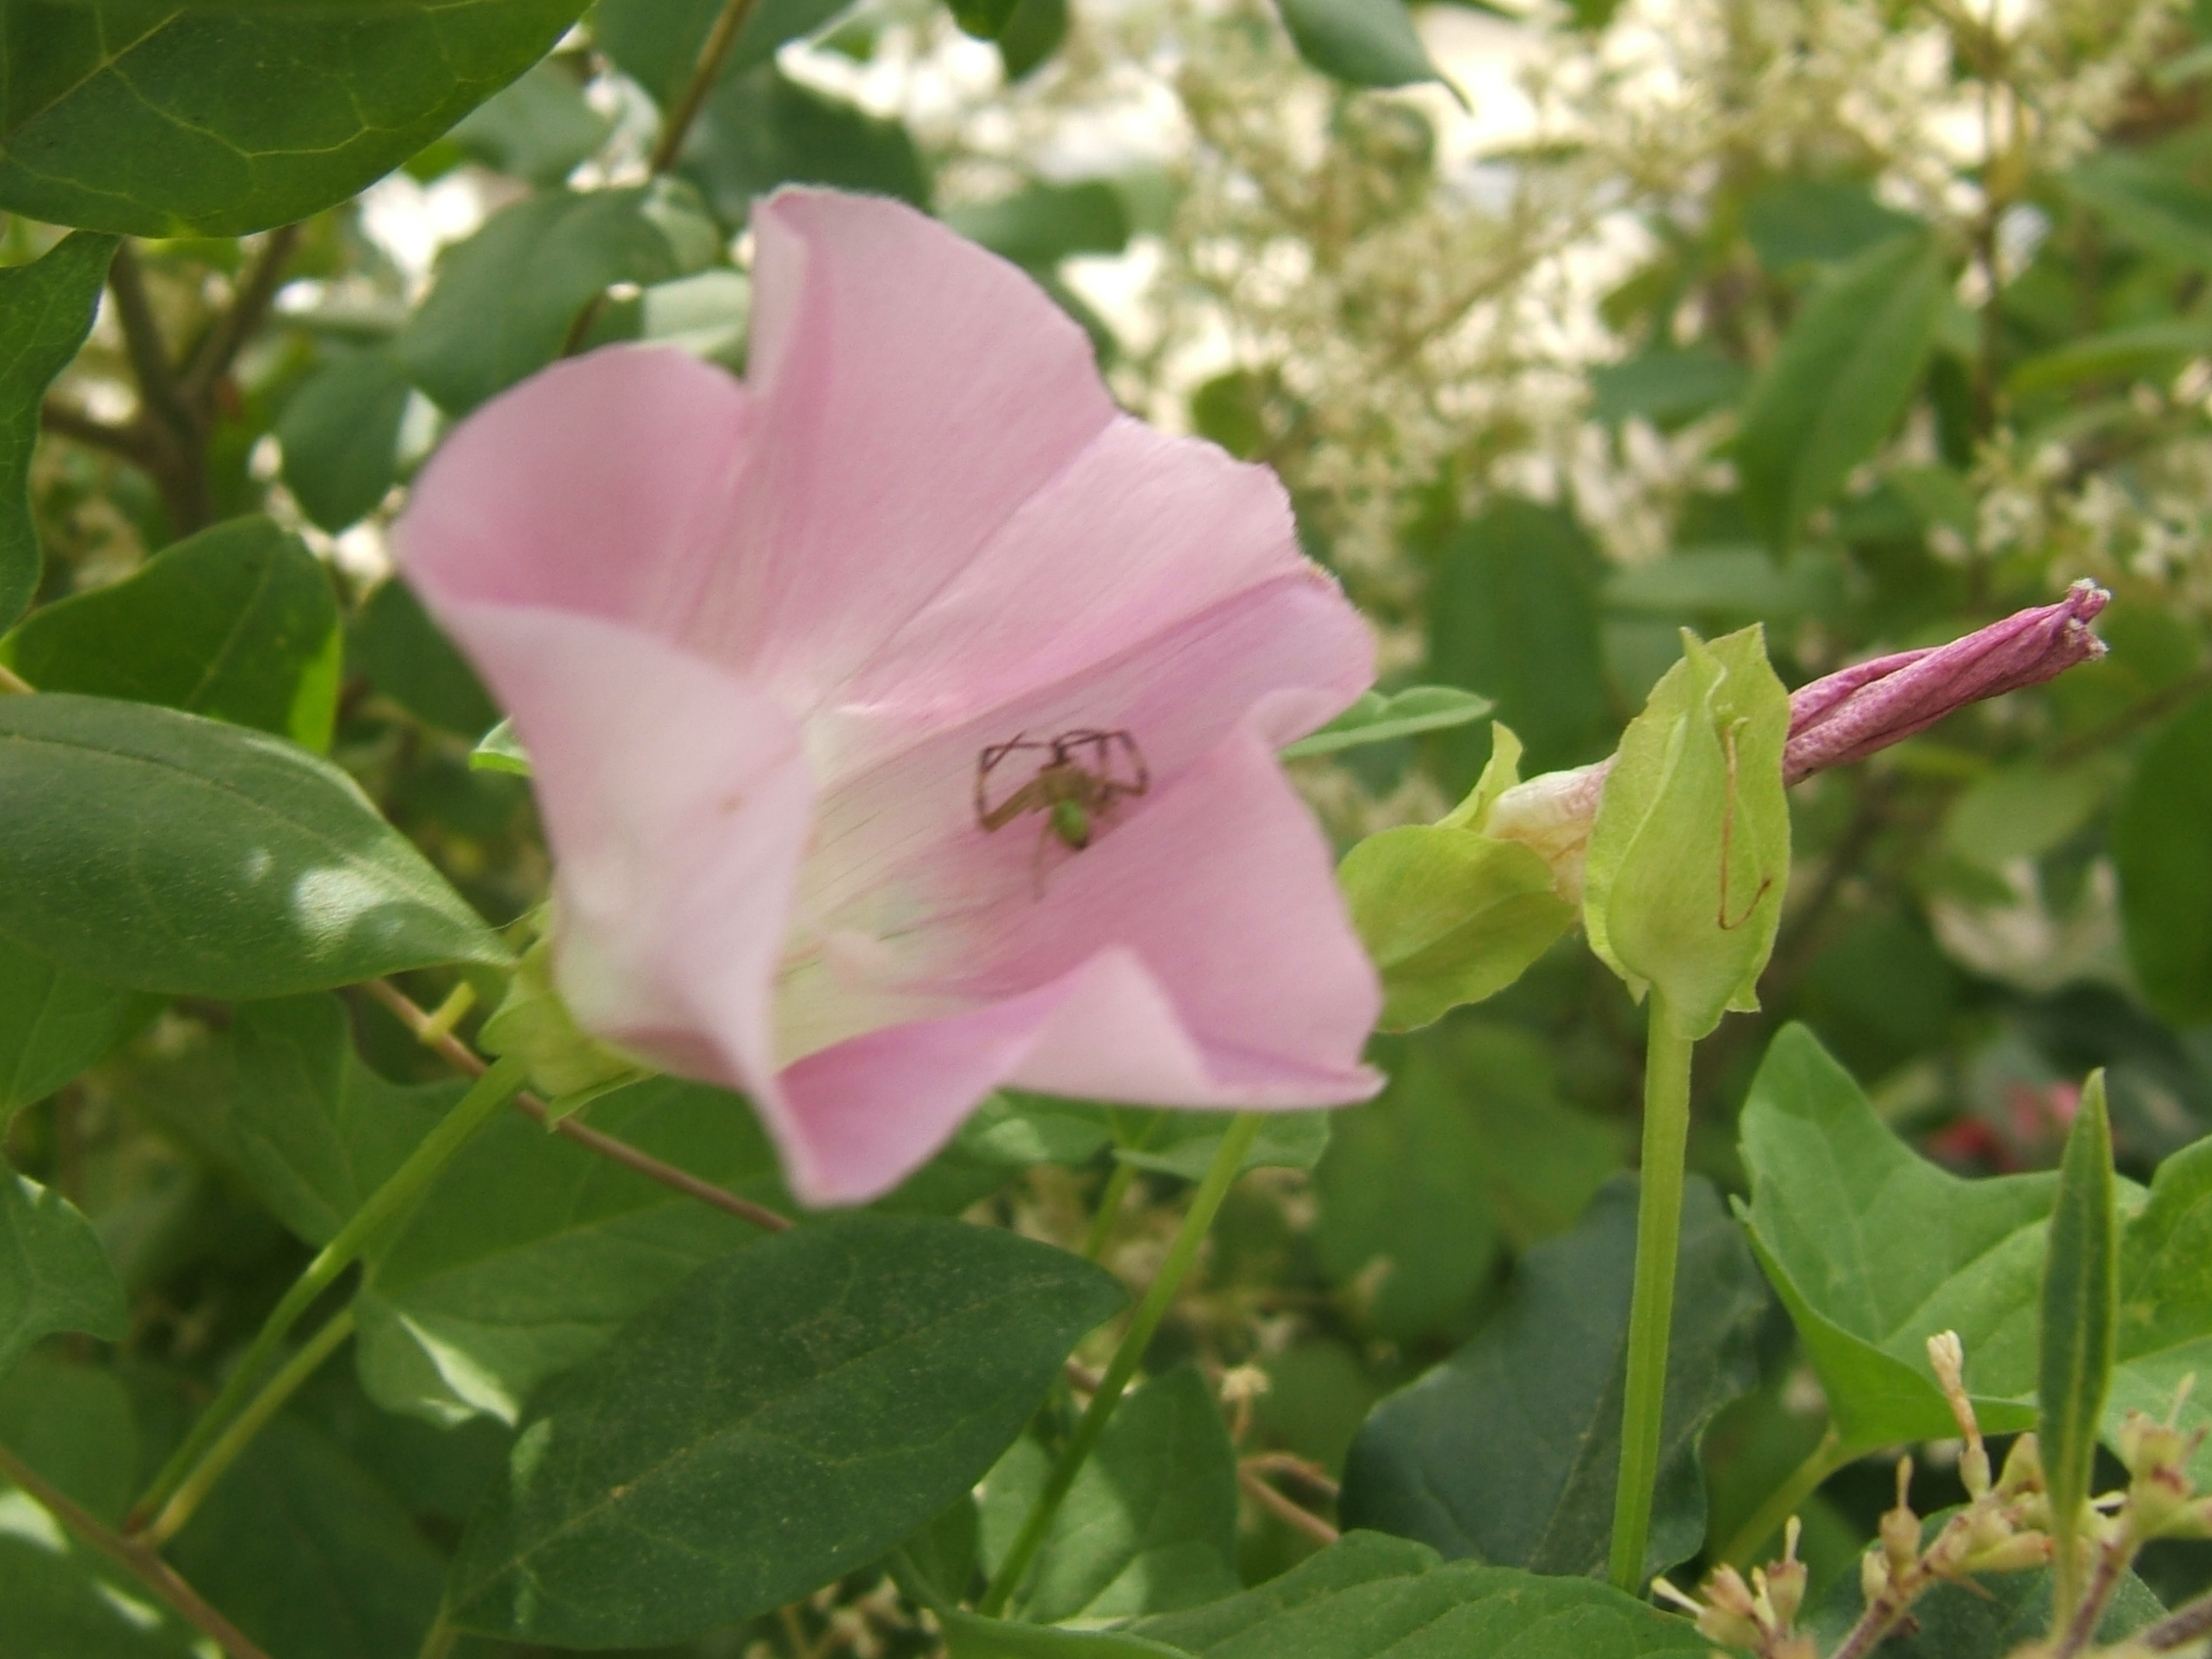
(767, 644)
(1839, 719)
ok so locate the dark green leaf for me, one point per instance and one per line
(1795, 221)
(2161, 842)
(1031, 36)
(309, 1554)
(1150, 1525)
(340, 436)
(2151, 202)
(1839, 1218)
(1042, 224)
(1364, 1597)
(2081, 1313)
(410, 661)
(46, 311)
(1369, 43)
(656, 42)
(156, 849)
(54, 1274)
(529, 1252)
(1727, 587)
(505, 300)
(783, 1416)
(316, 1131)
(53, 1025)
(158, 120)
(1993, 1616)
(1509, 1452)
(763, 128)
(2165, 1301)
(1666, 385)
(970, 1638)
(1838, 383)
(1514, 615)
(73, 1424)
(237, 622)
(985, 20)
(540, 129)
(1377, 718)
(2147, 351)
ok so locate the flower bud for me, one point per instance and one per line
(1786, 1579)
(2023, 1468)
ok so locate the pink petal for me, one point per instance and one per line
(1197, 956)
(678, 800)
(915, 392)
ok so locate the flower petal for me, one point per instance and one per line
(914, 391)
(1199, 957)
(676, 801)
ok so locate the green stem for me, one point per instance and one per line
(265, 1405)
(1650, 1316)
(438, 1640)
(1181, 1256)
(1110, 1210)
(1785, 1499)
(491, 1091)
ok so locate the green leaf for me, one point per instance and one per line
(1369, 43)
(2164, 1332)
(339, 432)
(540, 129)
(2026, 810)
(1799, 221)
(984, 19)
(1377, 718)
(969, 1637)
(54, 1273)
(1728, 585)
(529, 1252)
(1031, 36)
(657, 42)
(72, 1424)
(1180, 1143)
(2145, 351)
(1150, 1525)
(1019, 1130)
(1666, 385)
(309, 1553)
(782, 1417)
(238, 624)
(1993, 1616)
(1840, 1219)
(53, 1025)
(1042, 224)
(1513, 613)
(505, 302)
(47, 309)
(1690, 853)
(2150, 202)
(412, 662)
(156, 849)
(2161, 842)
(1449, 916)
(315, 1130)
(2080, 1309)
(1364, 1597)
(763, 128)
(501, 751)
(156, 120)
(1509, 1452)
(1840, 381)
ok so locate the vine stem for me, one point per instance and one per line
(1181, 1256)
(1783, 1501)
(1651, 1309)
(137, 1559)
(721, 40)
(249, 1423)
(1110, 1210)
(491, 1092)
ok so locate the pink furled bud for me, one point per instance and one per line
(1848, 715)
(1840, 718)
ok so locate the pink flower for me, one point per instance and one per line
(758, 638)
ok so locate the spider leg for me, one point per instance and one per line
(1034, 796)
(986, 762)
(1144, 778)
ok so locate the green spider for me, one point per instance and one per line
(1074, 786)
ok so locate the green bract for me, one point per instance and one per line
(1690, 850)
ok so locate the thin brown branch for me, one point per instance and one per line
(158, 386)
(248, 306)
(141, 1562)
(1302, 1520)
(721, 39)
(128, 441)
(1298, 1468)
(2191, 1622)
(458, 1054)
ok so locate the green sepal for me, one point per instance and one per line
(1691, 849)
(569, 1067)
